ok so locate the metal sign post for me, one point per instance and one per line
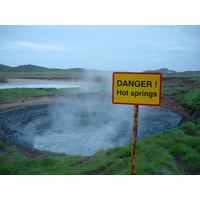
(134, 139)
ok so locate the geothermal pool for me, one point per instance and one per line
(82, 126)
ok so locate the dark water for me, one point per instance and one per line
(82, 126)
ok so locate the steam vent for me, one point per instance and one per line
(82, 126)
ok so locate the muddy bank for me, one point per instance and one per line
(81, 126)
(172, 105)
(30, 101)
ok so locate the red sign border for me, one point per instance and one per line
(135, 103)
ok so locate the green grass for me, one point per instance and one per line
(181, 74)
(189, 96)
(174, 89)
(167, 153)
(191, 128)
(42, 75)
(172, 152)
(195, 79)
(3, 80)
(17, 93)
(63, 74)
(23, 93)
(192, 98)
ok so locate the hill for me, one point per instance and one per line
(25, 68)
(35, 68)
(30, 68)
(5, 68)
(162, 70)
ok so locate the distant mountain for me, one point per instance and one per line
(22, 68)
(27, 68)
(34, 68)
(5, 68)
(162, 70)
(30, 68)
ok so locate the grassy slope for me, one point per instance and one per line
(22, 93)
(175, 151)
(171, 152)
(54, 74)
(7, 95)
(42, 75)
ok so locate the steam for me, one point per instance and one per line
(86, 124)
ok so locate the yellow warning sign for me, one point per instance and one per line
(137, 88)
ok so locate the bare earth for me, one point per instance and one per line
(167, 102)
(30, 101)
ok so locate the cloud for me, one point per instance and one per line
(179, 48)
(174, 46)
(38, 46)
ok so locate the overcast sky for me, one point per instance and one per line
(131, 48)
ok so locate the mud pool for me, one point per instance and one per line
(81, 126)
